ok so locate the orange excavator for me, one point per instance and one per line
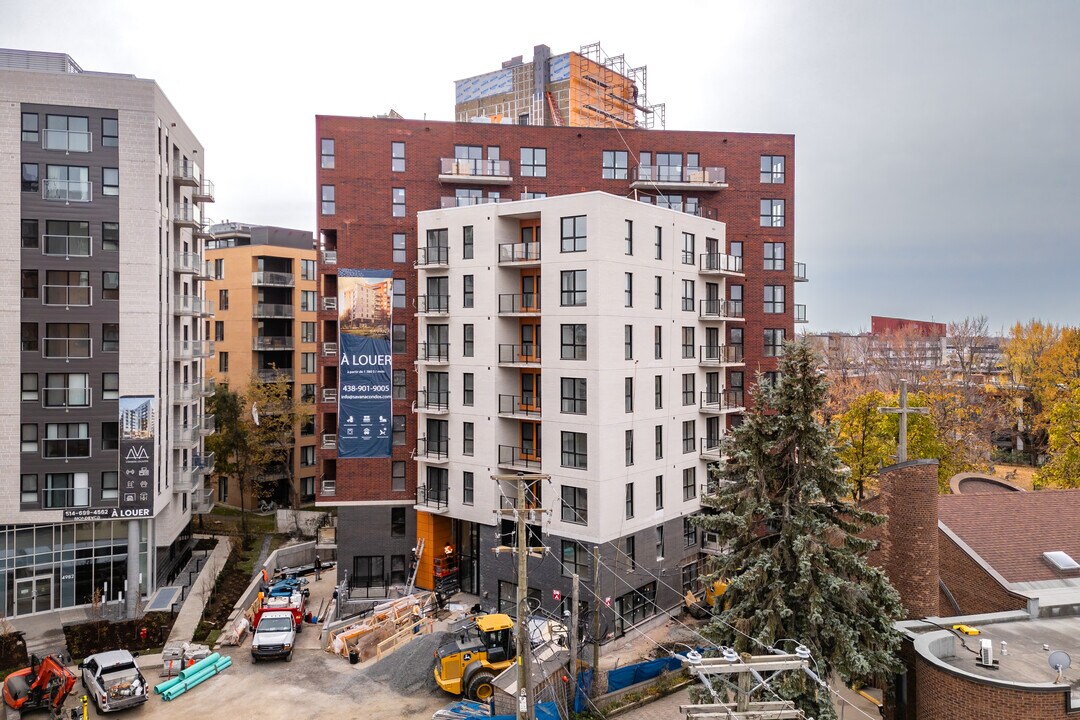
(45, 684)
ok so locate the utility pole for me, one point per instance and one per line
(596, 618)
(574, 639)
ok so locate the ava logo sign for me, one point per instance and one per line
(137, 453)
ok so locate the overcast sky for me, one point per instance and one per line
(937, 144)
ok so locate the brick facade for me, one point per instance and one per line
(943, 695)
(975, 590)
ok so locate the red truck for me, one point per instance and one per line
(295, 603)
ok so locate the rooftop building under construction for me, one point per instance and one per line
(578, 89)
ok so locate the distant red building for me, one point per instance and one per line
(884, 325)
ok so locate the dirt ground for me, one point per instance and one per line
(1021, 475)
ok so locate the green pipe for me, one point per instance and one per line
(187, 672)
(196, 679)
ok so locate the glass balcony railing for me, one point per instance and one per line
(519, 252)
(55, 448)
(188, 263)
(272, 342)
(204, 192)
(67, 245)
(474, 167)
(721, 309)
(720, 263)
(192, 305)
(68, 191)
(677, 174)
(65, 397)
(514, 304)
(273, 310)
(69, 141)
(52, 498)
(274, 279)
(68, 295)
(452, 202)
(66, 348)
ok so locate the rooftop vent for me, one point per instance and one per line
(1060, 560)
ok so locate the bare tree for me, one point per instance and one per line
(972, 347)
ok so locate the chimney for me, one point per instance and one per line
(909, 548)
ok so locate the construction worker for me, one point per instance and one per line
(318, 568)
(416, 618)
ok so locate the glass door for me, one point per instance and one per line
(33, 595)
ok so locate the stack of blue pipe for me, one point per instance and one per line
(192, 676)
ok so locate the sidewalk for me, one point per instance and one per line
(191, 611)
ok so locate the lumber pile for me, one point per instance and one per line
(384, 621)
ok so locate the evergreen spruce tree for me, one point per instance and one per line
(796, 567)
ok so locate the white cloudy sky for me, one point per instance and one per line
(938, 153)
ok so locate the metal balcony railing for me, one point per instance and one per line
(721, 309)
(519, 354)
(329, 441)
(329, 303)
(69, 141)
(436, 449)
(452, 202)
(329, 349)
(800, 314)
(519, 252)
(519, 407)
(513, 456)
(68, 295)
(329, 395)
(192, 305)
(720, 354)
(432, 401)
(67, 245)
(433, 304)
(433, 255)
(720, 263)
(721, 400)
(709, 447)
(272, 342)
(186, 214)
(514, 304)
(184, 173)
(677, 174)
(800, 272)
(274, 374)
(433, 352)
(67, 191)
(329, 257)
(273, 279)
(433, 496)
(204, 192)
(474, 167)
(64, 497)
(65, 348)
(274, 310)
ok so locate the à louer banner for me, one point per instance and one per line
(364, 363)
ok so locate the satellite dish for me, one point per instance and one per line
(1059, 660)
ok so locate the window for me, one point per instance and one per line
(307, 332)
(573, 288)
(628, 394)
(575, 559)
(689, 531)
(110, 285)
(629, 242)
(689, 576)
(397, 202)
(533, 162)
(628, 289)
(575, 504)
(307, 425)
(30, 289)
(307, 269)
(628, 342)
(29, 336)
(110, 436)
(573, 341)
(659, 542)
(688, 342)
(399, 293)
(658, 243)
(772, 213)
(467, 438)
(31, 181)
(658, 442)
(219, 330)
(307, 362)
(223, 362)
(631, 552)
(687, 248)
(399, 430)
(574, 396)
(628, 447)
(397, 522)
(397, 339)
(658, 292)
(307, 392)
(770, 378)
(774, 342)
(688, 389)
(29, 234)
(64, 340)
(575, 450)
(110, 337)
(634, 607)
(688, 432)
(110, 181)
(689, 483)
(68, 133)
(329, 204)
(67, 440)
(64, 390)
(774, 256)
(326, 153)
(468, 380)
(29, 386)
(468, 344)
(772, 169)
(658, 342)
(574, 234)
(307, 301)
(467, 242)
(614, 165)
(468, 482)
(735, 248)
(110, 236)
(223, 299)
(774, 299)
(30, 127)
(307, 455)
(658, 392)
(397, 157)
(399, 247)
(397, 475)
(467, 291)
(29, 434)
(28, 484)
(659, 492)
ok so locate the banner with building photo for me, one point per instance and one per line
(138, 416)
(364, 363)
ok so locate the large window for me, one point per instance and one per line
(573, 288)
(307, 362)
(688, 249)
(575, 452)
(689, 483)
(614, 165)
(688, 432)
(774, 299)
(64, 390)
(307, 269)
(66, 490)
(658, 292)
(772, 213)
(573, 341)
(29, 337)
(397, 202)
(66, 440)
(574, 396)
(329, 203)
(688, 389)
(574, 234)
(629, 240)
(307, 332)
(307, 301)
(468, 482)
(397, 157)
(774, 342)
(575, 505)
(689, 531)
(307, 455)
(533, 162)
(326, 153)
(658, 342)
(67, 133)
(575, 559)
(772, 169)
(67, 340)
(634, 607)
(774, 256)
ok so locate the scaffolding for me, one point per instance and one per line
(616, 94)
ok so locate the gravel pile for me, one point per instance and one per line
(410, 669)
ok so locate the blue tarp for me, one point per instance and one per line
(544, 711)
(640, 672)
(581, 694)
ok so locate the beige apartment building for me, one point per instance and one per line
(263, 284)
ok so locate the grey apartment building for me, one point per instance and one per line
(102, 400)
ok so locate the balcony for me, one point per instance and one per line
(63, 448)
(800, 272)
(720, 264)
(433, 353)
(266, 343)
(329, 349)
(204, 462)
(208, 425)
(710, 450)
(522, 254)
(67, 141)
(192, 349)
(66, 348)
(202, 501)
(436, 450)
(513, 305)
(67, 295)
(206, 271)
(433, 305)
(269, 375)
(512, 406)
(721, 310)
(328, 487)
(462, 171)
(63, 396)
(716, 402)
(185, 479)
(800, 314)
(433, 498)
(54, 498)
(676, 177)
(329, 257)
(204, 192)
(329, 395)
(67, 191)
(202, 230)
(453, 202)
(188, 263)
(329, 303)
(274, 310)
(519, 355)
(433, 402)
(185, 435)
(273, 279)
(192, 306)
(67, 245)
(184, 175)
(719, 355)
(184, 393)
(329, 441)
(186, 216)
(519, 458)
(433, 256)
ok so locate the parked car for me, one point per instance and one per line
(113, 681)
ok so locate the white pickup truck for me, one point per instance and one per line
(113, 681)
(274, 636)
